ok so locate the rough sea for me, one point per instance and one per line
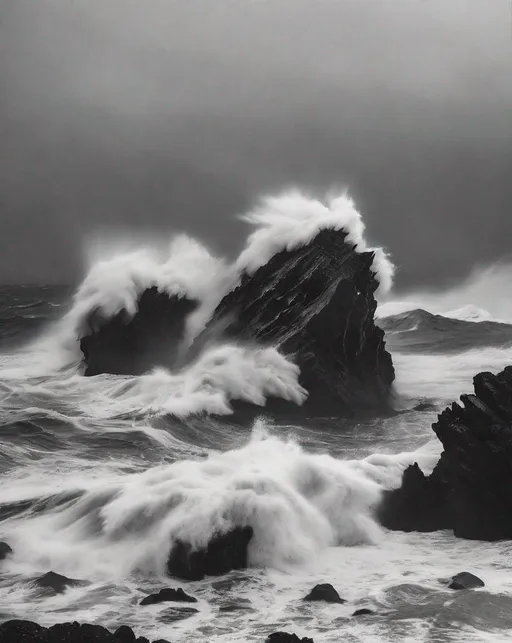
(96, 473)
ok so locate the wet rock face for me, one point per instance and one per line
(124, 345)
(317, 304)
(470, 489)
(223, 554)
(465, 580)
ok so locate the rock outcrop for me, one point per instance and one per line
(284, 637)
(316, 303)
(465, 580)
(224, 553)
(324, 593)
(28, 632)
(470, 489)
(133, 345)
(168, 595)
(57, 583)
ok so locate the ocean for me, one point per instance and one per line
(96, 472)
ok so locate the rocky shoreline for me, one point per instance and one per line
(470, 490)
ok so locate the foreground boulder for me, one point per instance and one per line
(28, 632)
(465, 580)
(224, 553)
(126, 345)
(324, 593)
(470, 489)
(316, 303)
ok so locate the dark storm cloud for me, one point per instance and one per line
(175, 114)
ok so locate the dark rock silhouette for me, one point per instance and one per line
(124, 345)
(124, 634)
(316, 303)
(28, 632)
(284, 637)
(325, 593)
(168, 595)
(470, 489)
(56, 582)
(5, 550)
(364, 611)
(224, 553)
(465, 580)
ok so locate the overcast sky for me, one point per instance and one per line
(170, 115)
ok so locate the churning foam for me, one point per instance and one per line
(297, 503)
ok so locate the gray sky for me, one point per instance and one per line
(170, 115)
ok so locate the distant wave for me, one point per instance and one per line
(421, 331)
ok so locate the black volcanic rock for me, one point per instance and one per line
(124, 345)
(470, 489)
(5, 550)
(317, 304)
(28, 632)
(465, 580)
(168, 595)
(224, 553)
(325, 593)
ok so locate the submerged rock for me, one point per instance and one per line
(224, 553)
(28, 632)
(133, 345)
(325, 593)
(364, 611)
(316, 303)
(470, 489)
(5, 550)
(465, 580)
(56, 582)
(168, 595)
(284, 637)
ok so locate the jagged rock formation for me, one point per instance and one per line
(470, 489)
(317, 303)
(125, 345)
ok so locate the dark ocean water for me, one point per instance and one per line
(96, 477)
